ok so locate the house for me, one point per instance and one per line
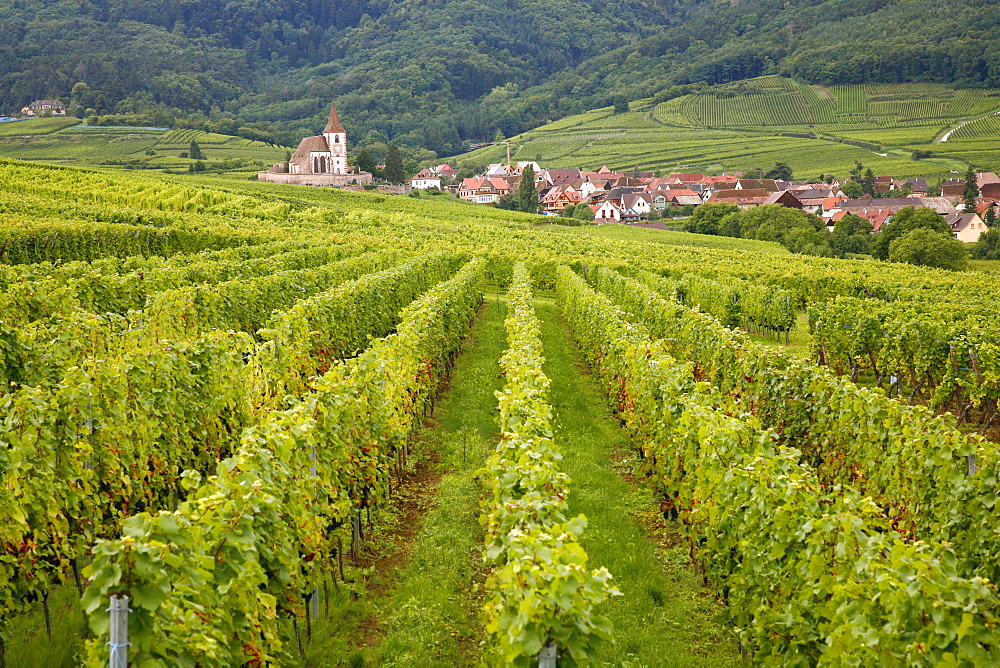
(638, 202)
(811, 198)
(630, 215)
(917, 186)
(986, 178)
(608, 212)
(683, 179)
(425, 179)
(558, 198)
(757, 184)
(893, 204)
(877, 218)
(482, 190)
(943, 205)
(784, 198)
(743, 198)
(953, 187)
(677, 198)
(966, 226)
(45, 108)
(445, 171)
(561, 177)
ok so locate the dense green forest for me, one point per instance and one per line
(435, 75)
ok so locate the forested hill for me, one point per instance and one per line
(435, 74)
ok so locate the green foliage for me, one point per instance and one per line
(706, 218)
(364, 162)
(929, 248)
(851, 234)
(394, 170)
(971, 190)
(279, 502)
(195, 151)
(903, 221)
(541, 590)
(527, 193)
(780, 171)
(693, 451)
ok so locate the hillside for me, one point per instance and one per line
(432, 76)
(66, 141)
(759, 122)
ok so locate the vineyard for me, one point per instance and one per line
(757, 122)
(66, 141)
(253, 424)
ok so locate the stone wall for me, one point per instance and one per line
(334, 180)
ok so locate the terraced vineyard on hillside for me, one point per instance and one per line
(70, 141)
(755, 123)
(266, 415)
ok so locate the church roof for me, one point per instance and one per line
(309, 145)
(334, 124)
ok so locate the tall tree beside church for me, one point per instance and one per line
(364, 161)
(394, 172)
(971, 191)
(527, 194)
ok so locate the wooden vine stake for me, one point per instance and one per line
(118, 654)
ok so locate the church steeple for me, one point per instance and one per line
(333, 124)
(336, 141)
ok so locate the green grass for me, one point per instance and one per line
(28, 645)
(798, 339)
(434, 616)
(665, 617)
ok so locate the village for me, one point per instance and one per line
(641, 198)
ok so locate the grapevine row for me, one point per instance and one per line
(912, 463)
(809, 574)
(213, 582)
(541, 593)
(111, 437)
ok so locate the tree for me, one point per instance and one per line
(781, 172)
(195, 151)
(990, 218)
(527, 194)
(971, 191)
(394, 172)
(852, 189)
(705, 219)
(583, 212)
(868, 183)
(621, 104)
(988, 246)
(364, 161)
(851, 234)
(903, 221)
(929, 248)
(856, 171)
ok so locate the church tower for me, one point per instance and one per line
(336, 139)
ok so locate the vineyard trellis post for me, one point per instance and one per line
(547, 657)
(118, 654)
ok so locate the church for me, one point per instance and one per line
(320, 160)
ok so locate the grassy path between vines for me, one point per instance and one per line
(665, 616)
(429, 611)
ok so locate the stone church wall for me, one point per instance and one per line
(335, 180)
